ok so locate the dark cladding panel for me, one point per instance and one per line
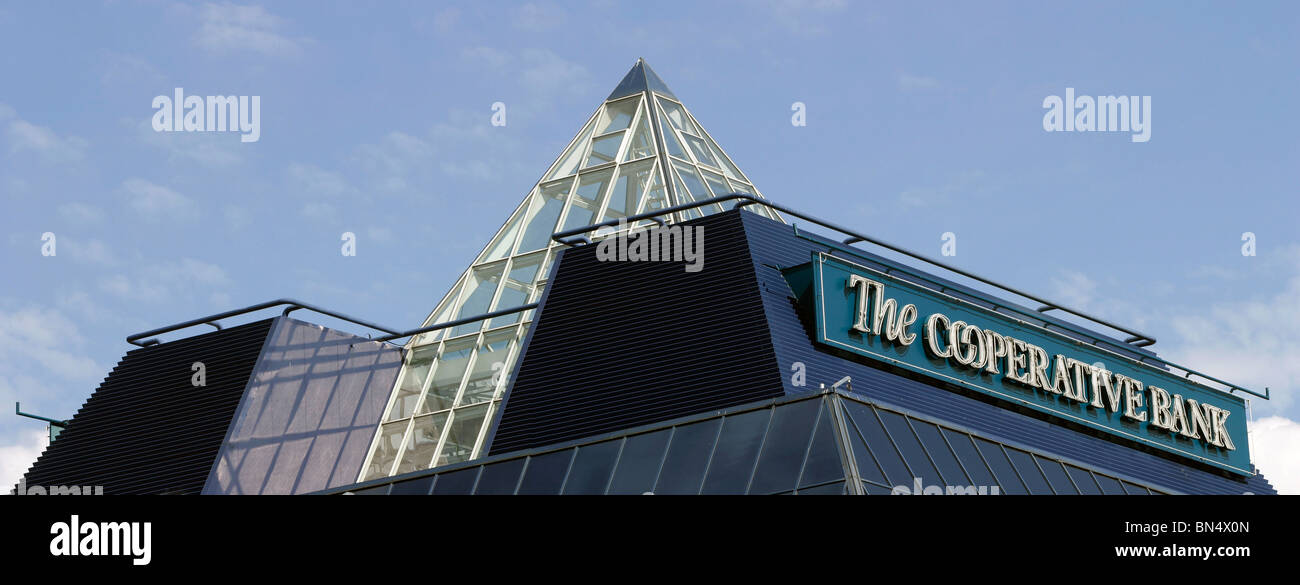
(620, 344)
(147, 429)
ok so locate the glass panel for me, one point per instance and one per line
(916, 457)
(739, 187)
(499, 479)
(696, 187)
(718, 185)
(627, 191)
(604, 149)
(638, 466)
(518, 287)
(465, 426)
(727, 166)
(545, 473)
(544, 211)
(479, 290)
(939, 452)
(456, 482)
(591, 468)
(1109, 485)
(702, 154)
(1056, 476)
(1001, 467)
(590, 190)
(868, 467)
(446, 377)
(422, 443)
(784, 449)
(1029, 472)
(979, 473)
(390, 440)
(413, 487)
(876, 490)
(643, 141)
(618, 115)
(655, 199)
(688, 455)
(824, 462)
(443, 315)
(881, 447)
(737, 451)
(505, 240)
(413, 375)
(571, 158)
(677, 116)
(684, 197)
(1135, 489)
(1083, 480)
(493, 356)
(674, 147)
(834, 489)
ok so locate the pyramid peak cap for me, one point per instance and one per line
(638, 79)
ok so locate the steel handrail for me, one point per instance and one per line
(457, 322)
(294, 305)
(1138, 339)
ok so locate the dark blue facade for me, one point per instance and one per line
(775, 245)
(703, 363)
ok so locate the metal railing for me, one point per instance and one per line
(1137, 339)
(294, 305)
(458, 322)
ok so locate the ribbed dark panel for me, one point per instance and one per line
(146, 429)
(620, 344)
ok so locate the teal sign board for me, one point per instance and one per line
(907, 325)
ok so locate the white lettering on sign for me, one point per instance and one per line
(970, 347)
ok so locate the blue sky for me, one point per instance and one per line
(921, 119)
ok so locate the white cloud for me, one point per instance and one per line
(314, 182)
(155, 202)
(395, 160)
(230, 27)
(92, 251)
(37, 336)
(539, 16)
(1250, 342)
(802, 17)
(129, 70)
(185, 280)
(81, 213)
(210, 149)
(320, 211)
(1074, 289)
(24, 136)
(17, 457)
(965, 184)
(1275, 443)
(541, 73)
